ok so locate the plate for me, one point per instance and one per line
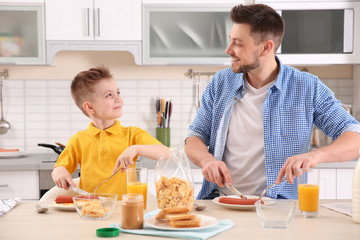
(206, 222)
(60, 206)
(236, 206)
(16, 154)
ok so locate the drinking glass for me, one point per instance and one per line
(137, 182)
(308, 188)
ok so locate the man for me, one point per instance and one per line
(255, 121)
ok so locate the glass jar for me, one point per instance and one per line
(132, 211)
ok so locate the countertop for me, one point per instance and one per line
(46, 161)
(24, 223)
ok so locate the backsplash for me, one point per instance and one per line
(42, 111)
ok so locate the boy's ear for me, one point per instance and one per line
(88, 108)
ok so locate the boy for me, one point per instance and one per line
(105, 143)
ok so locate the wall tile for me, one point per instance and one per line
(41, 111)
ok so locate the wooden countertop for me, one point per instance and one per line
(23, 222)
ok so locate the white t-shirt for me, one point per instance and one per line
(244, 150)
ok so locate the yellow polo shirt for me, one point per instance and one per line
(96, 151)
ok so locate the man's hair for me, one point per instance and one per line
(82, 86)
(264, 21)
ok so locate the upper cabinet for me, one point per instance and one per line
(110, 20)
(186, 34)
(93, 25)
(22, 38)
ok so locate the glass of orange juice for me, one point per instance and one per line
(137, 182)
(308, 188)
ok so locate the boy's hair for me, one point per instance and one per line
(264, 21)
(82, 86)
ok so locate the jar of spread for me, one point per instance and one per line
(132, 211)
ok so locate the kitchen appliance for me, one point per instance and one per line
(319, 32)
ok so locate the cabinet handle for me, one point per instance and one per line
(97, 21)
(87, 22)
(4, 185)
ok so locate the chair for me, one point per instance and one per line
(56, 191)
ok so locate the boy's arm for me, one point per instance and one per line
(62, 178)
(126, 159)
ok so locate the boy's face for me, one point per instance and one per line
(106, 103)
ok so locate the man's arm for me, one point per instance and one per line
(345, 148)
(212, 169)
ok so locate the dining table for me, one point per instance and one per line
(23, 222)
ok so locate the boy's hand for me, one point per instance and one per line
(62, 178)
(126, 159)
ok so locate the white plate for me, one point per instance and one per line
(60, 206)
(16, 154)
(206, 222)
(237, 206)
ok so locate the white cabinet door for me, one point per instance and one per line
(23, 184)
(118, 20)
(344, 183)
(93, 20)
(69, 20)
(327, 184)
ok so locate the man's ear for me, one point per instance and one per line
(88, 108)
(268, 47)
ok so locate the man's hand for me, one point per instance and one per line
(217, 172)
(62, 178)
(292, 166)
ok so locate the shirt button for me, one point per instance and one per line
(104, 147)
(104, 134)
(103, 140)
(235, 98)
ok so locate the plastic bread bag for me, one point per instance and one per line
(174, 181)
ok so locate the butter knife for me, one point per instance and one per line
(235, 191)
(79, 190)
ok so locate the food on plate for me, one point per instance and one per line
(196, 222)
(170, 210)
(64, 199)
(179, 217)
(69, 199)
(238, 201)
(174, 192)
(94, 209)
(9, 150)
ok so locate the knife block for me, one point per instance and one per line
(163, 135)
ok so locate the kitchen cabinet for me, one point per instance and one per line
(193, 2)
(344, 183)
(110, 20)
(109, 25)
(23, 184)
(22, 38)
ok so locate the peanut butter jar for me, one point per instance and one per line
(132, 211)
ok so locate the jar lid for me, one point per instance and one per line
(107, 232)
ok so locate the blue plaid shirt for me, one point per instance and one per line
(296, 102)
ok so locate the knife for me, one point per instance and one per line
(79, 190)
(235, 191)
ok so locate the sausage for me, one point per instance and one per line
(238, 201)
(69, 199)
(64, 199)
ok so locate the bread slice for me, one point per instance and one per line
(164, 211)
(185, 223)
(179, 216)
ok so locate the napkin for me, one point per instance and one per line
(198, 234)
(7, 205)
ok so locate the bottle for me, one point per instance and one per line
(356, 193)
(132, 211)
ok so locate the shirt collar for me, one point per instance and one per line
(278, 81)
(114, 129)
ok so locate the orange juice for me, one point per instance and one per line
(308, 197)
(138, 187)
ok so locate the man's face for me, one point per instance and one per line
(242, 49)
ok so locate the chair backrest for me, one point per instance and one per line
(56, 191)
